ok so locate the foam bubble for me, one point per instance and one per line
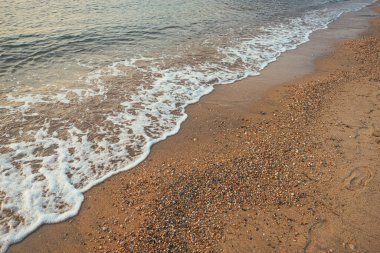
(67, 142)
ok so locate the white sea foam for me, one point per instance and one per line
(43, 178)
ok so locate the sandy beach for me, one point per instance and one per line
(288, 167)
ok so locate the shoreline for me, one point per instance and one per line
(226, 113)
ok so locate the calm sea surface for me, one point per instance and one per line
(86, 87)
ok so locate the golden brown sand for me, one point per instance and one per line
(295, 171)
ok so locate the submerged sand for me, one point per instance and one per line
(295, 171)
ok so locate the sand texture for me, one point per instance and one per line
(295, 171)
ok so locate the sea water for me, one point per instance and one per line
(87, 87)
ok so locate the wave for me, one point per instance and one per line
(58, 143)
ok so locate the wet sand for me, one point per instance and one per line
(290, 165)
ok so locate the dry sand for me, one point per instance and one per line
(294, 171)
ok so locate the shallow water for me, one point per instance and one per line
(87, 87)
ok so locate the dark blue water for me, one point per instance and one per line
(87, 87)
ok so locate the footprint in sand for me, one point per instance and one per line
(376, 133)
(378, 96)
(313, 238)
(363, 134)
(358, 178)
(324, 237)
